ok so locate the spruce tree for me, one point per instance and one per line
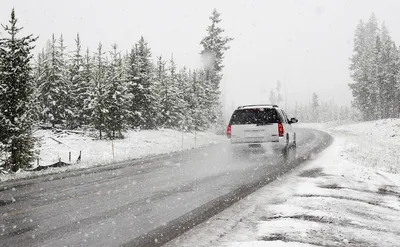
(184, 96)
(162, 88)
(67, 102)
(168, 91)
(272, 97)
(364, 68)
(315, 108)
(214, 46)
(176, 92)
(144, 96)
(389, 59)
(197, 101)
(116, 113)
(88, 94)
(39, 76)
(358, 68)
(279, 98)
(53, 89)
(132, 87)
(16, 91)
(374, 86)
(80, 90)
(98, 106)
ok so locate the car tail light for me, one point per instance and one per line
(280, 129)
(229, 131)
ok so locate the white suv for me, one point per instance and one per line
(256, 124)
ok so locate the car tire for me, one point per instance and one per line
(294, 140)
(286, 148)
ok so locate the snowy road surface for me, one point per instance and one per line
(146, 202)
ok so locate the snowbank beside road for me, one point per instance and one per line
(373, 144)
(338, 199)
(137, 144)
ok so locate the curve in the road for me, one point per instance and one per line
(173, 229)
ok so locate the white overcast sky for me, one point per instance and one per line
(304, 44)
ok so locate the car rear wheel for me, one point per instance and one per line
(285, 149)
(294, 140)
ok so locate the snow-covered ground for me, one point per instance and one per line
(349, 195)
(136, 144)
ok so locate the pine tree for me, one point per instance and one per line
(144, 97)
(39, 77)
(53, 88)
(132, 87)
(373, 105)
(116, 114)
(315, 108)
(162, 87)
(68, 98)
(389, 61)
(279, 98)
(98, 106)
(363, 70)
(358, 69)
(197, 101)
(88, 82)
(214, 47)
(169, 94)
(178, 92)
(16, 91)
(272, 97)
(80, 88)
(183, 82)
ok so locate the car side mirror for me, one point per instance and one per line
(293, 120)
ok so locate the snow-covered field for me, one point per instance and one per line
(137, 144)
(347, 196)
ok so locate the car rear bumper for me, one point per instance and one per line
(277, 140)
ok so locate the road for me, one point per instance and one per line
(140, 203)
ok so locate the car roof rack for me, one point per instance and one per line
(259, 105)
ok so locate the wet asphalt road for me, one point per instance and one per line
(144, 202)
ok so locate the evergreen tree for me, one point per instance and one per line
(364, 68)
(162, 86)
(39, 77)
(144, 97)
(80, 88)
(87, 95)
(16, 91)
(389, 60)
(132, 86)
(375, 71)
(373, 105)
(98, 106)
(183, 82)
(177, 95)
(198, 97)
(279, 98)
(214, 47)
(116, 113)
(358, 69)
(272, 97)
(53, 89)
(67, 102)
(169, 94)
(315, 108)
(175, 92)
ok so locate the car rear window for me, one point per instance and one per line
(254, 116)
